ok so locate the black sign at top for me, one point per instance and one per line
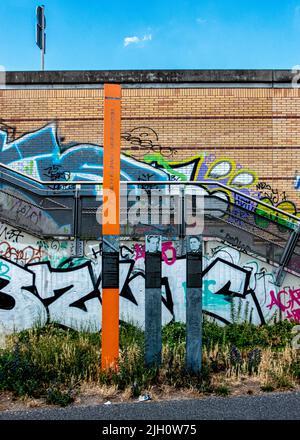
(153, 270)
(110, 270)
(194, 270)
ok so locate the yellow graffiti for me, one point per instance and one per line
(224, 168)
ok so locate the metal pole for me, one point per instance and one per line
(111, 226)
(153, 319)
(194, 303)
(43, 40)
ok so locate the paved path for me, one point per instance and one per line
(274, 406)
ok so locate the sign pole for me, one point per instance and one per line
(40, 33)
(194, 303)
(43, 40)
(153, 319)
(111, 226)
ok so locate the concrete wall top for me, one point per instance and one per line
(208, 78)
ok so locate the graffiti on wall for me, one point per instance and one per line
(24, 212)
(9, 130)
(290, 305)
(144, 140)
(22, 248)
(35, 292)
(277, 199)
(39, 154)
(41, 280)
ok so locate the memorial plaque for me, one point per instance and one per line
(153, 261)
(153, 270)
(194, 304)
(194, 270)
(194, 262)
(153, 318)
(110, 270)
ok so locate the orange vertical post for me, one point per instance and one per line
(111, 220)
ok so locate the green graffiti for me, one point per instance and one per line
(42, 244)
(265, 215)
(184, 290)
(67, 262)
(211, 300)
(160, 160)
(29, 168)
(4, 269)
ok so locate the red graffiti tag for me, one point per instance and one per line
(24, 256)
(139, 251)
(286, 300)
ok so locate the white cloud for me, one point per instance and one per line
(201, 20)
(136, 40)
(130, 40)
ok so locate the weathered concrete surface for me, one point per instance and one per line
(193, 329)
(148, 76)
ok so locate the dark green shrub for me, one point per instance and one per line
(174, 334)
(268, 388)
(130, 334)
(19, 374)
(55, 396)
(246, 335)
(222, 390)
(295, 369)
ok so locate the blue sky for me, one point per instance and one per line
(159, 34)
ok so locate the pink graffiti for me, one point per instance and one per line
(24, 256)
(294, 315)
(166, 248)
(139, 251)
(292, 297)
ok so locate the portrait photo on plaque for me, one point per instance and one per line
(153, 243)
(194, 244)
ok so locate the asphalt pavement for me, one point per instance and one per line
(273, 406)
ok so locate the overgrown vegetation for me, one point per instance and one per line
(53, 363)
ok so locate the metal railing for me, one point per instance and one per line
(69, 209)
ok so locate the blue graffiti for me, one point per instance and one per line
(42, 150)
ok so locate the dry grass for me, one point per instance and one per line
(62, 366)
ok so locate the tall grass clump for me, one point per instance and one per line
(53, 363)
(36, 359)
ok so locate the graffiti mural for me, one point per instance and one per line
(42, 280)
(8, 130)
(22, 248)
(39, 155)
(290, 306)
(35, 292)
(144, 140)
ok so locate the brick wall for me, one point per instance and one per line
(256, 129)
